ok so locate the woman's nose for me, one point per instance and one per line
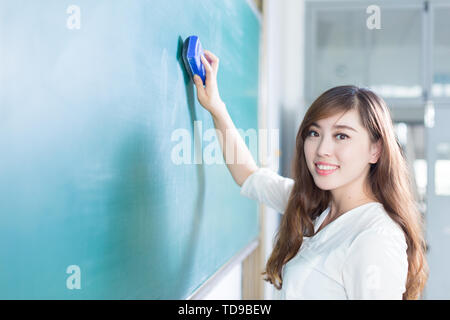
(325, 147)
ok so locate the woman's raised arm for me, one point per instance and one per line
(236, 155)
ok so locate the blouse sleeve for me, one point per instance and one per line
(269, 188)
(376, 266)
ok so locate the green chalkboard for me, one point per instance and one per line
(92, 93)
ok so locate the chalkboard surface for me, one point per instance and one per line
(94, 106)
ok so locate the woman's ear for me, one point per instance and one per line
(375, 151)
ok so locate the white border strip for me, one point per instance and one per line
(209, 284)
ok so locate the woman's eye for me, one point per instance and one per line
(339, 134)
(309, 133)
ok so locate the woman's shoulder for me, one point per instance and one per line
(381, 220)
(377, 223)
(268, 187)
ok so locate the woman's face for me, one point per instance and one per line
(347, 150)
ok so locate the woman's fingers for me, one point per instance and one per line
(210, 74)
(211, 55)
(205, 62)
(214, 61)
(201, 91)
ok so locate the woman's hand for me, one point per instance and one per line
(208, 96)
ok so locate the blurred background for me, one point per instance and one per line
(310, 46)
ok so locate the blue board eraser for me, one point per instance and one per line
(192, 50)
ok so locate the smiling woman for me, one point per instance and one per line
(351, 228)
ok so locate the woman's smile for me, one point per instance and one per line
(324, 170)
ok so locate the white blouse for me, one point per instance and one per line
(359, 255)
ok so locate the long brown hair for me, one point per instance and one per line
(388, 178)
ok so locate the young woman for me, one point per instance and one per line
(350, 227)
